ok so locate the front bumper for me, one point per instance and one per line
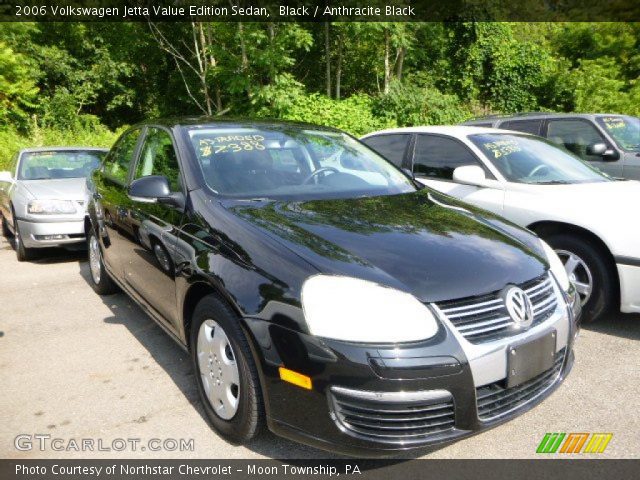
(433, 385)
(629, 274)
(51, 234)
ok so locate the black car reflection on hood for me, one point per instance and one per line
(419, 242)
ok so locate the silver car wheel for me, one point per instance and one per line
(162, 257)
(95, 259)
(218, 369)
(579, 274)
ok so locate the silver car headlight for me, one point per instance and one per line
(51, 207)
(350, 309)
(556, 267)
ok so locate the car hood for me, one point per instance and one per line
(613, 194)
(424, 242)
(60, 189)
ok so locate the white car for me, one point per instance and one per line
(588, 217)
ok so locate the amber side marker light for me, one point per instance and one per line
(294, 377)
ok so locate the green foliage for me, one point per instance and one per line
(91, 133)
(417, 103)
(354, 115)
(72, 77)
(18, 90)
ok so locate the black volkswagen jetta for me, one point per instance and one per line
(321, 292)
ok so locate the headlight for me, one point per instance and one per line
(557, 268)
(51, 207)
(350, 309)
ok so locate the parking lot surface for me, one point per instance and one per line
(77, 366)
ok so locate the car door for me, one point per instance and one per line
(435, 157)
(110, 185)
(150, 268)
(577, 135)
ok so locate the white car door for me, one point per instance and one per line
(437, 156)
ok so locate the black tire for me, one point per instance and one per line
(102, 284)
(248, 420)
(23, 254)
(604, 290)
(6, 233)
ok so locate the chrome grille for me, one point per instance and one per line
(485, 318)
(392, 420)
(494, 400)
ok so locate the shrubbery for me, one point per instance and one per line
(88, 133)
(354, 114)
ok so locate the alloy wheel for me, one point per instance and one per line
(579, 274)
(218, 369)
(95, 259)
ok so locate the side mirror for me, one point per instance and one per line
(6, 177)
(470, 175)
(596, 149)
(154, 189)
(600, 149)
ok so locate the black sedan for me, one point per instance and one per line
(321, 292)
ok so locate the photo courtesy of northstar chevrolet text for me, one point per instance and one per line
(239, 238)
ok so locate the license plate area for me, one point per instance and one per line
(531, 358)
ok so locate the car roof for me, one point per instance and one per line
(62, 149)
(538, 116)
(222, 122)
(452, 130)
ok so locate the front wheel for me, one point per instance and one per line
(226, 372)
(588, 269)
(100, 280)
(23, 254)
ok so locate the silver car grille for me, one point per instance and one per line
(481, 319)
(387, 420)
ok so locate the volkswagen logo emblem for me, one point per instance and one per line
(519, 306)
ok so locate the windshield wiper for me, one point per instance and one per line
(553, 182)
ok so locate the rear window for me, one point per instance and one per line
(52, 165)
(525, 126)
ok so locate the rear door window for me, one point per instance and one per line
(392, 147)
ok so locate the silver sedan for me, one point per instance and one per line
(43, 197)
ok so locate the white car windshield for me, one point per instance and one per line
(53, 165)
(533, 160)
(624, 130)
(284, 161)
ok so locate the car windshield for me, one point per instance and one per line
(52, 165)
(533, 160)
(277, 162)
(624, 130)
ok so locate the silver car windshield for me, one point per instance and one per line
(58, 164)
(533, 160)
(293, 163)
(624, 130)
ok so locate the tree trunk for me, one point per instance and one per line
(400, 62)
(339, 67)
(244, 65)
(327, 54)
(387, 65)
